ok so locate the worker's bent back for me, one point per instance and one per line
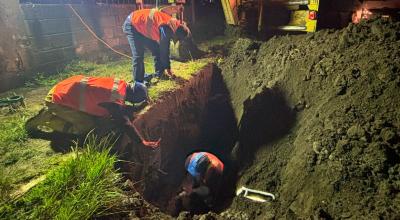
(84, 93)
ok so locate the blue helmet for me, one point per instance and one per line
(137, 93)
(197, 164)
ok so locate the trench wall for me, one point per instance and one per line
(44, 37)
(196, 117)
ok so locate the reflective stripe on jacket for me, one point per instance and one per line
(148, 22)
(84, 93)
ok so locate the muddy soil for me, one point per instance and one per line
(319, 123)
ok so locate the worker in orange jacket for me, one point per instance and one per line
(153, 29)
(80, 101)
(205, 173)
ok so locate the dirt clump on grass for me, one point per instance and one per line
(331, 150)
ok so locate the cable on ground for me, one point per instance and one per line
(95, 35)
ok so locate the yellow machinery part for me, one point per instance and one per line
(300, 22)
(311, 25)
(313, 5)
(299, 18)
(228, 11)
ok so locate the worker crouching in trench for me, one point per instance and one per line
(202, 185)
(80, 104)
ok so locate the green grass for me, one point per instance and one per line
(183, 70)
(82, 186)
(12, 129)
(122, 69)
(5, 186)
(21, 158)
(24, 160)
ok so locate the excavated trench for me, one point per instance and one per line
(196, 117)
(200, 117)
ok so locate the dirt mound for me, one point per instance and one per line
(318, 126)
(331, 148)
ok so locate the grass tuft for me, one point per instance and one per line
(5, 186)
(12, 129)
(82, 186)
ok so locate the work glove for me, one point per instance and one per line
(117, 112)
(152, 144)
(183, 193)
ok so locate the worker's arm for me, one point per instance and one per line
(135, 136)
(173, 9)
(117, 112)
(165, 39)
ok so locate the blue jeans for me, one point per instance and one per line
(138, 42)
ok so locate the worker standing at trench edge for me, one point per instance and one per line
(154, 30)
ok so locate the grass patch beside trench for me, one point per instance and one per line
(123, 69)
(23, 160)
(12, 129)
(82, 186)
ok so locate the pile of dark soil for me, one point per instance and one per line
(318, 126)
(319, 122)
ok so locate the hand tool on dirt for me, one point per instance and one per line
(12, 102)
(255, 195)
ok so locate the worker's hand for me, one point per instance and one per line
(183, 193)
(187, 190)
(149, 101)
(152, 144)
(170, 74)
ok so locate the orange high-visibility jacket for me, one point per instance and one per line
(148, 22)
(84, 93)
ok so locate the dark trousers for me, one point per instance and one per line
(137, 43)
